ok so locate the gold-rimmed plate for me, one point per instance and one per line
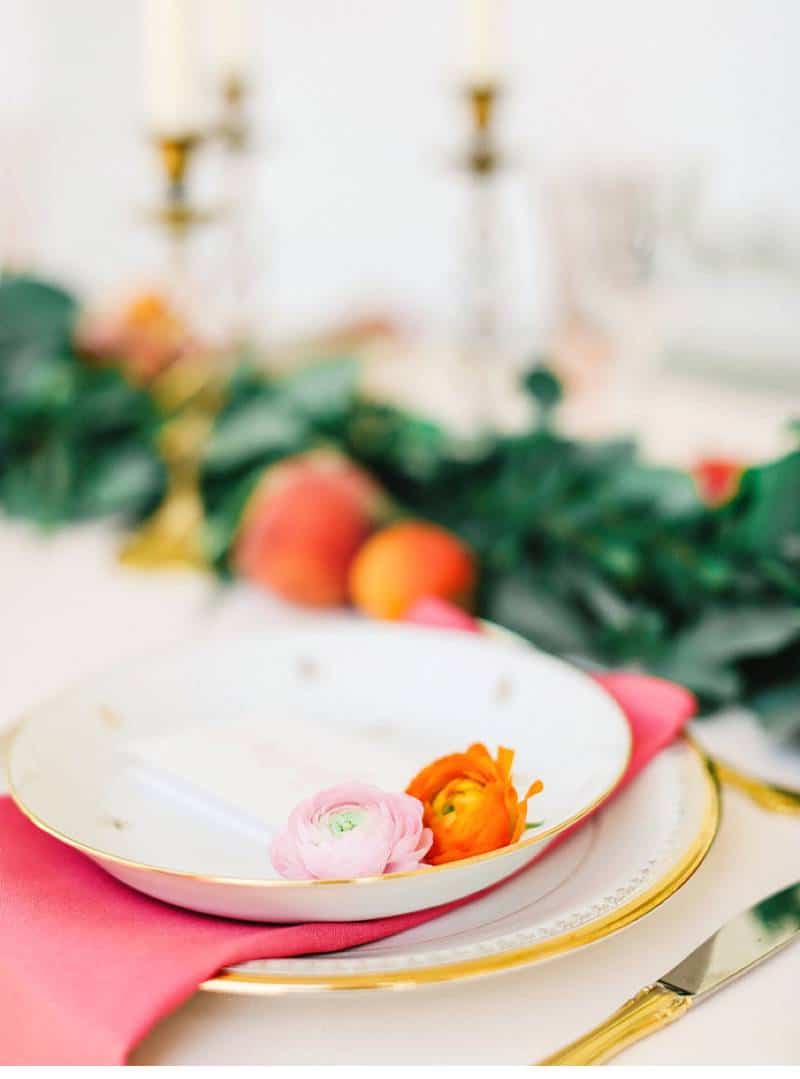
(172, 772)
(620, 866)
(764, 768)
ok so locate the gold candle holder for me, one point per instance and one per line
(238, 176)
(172, 536)
(482, 162)
(176, 153)
(482, 98)
(177, 215)
(233, 129)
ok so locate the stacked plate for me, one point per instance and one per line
(172, 773)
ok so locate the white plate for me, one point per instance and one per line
(253, 724)
(736, 738)
(617, 868)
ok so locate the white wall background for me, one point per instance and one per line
(357, 110)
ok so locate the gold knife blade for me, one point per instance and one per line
(735, 948)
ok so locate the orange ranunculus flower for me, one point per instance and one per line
(470, 803)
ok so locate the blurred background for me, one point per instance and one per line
(645, 229)
(198, 197)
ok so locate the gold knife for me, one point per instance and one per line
(739, 945)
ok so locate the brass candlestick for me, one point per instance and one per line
(172, 537)
(483, 157)
(176, 213)
(234, 133)
(189, 389)
(482, 162)
(233, 129)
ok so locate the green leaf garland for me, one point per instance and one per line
(583, 549)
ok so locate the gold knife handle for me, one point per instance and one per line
(651, 1008)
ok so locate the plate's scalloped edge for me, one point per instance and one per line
(587, 932)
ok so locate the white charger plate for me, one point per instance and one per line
(260, 721)
(618, 867)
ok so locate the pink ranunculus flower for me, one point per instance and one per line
(353, 830)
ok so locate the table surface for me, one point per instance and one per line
(69, 610)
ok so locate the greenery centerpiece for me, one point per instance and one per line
(582, 548)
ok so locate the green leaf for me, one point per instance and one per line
(767, 510)
(605, 603)
(107, 403)
(397, 445)
(121, 481)
(75, 440)
(260, 428)
(545, 386)
(525, 605)
(39, 485)
(669, 493)
(715, 683)
(728, 634)
(222, 521)
(704, 656)
(33, 311)
(778, 709)
(35, 380)
(322, 392)
(778, 573)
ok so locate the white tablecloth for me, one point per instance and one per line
(68, 609)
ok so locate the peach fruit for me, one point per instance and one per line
(303, 525)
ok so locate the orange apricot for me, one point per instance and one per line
(406, 562)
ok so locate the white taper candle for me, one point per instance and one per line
(231, 34)
(171, 77)
(482, 54)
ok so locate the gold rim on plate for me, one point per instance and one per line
(761, 792)
(234, 981)
(248, 882)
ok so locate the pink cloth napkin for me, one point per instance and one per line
(88, 966)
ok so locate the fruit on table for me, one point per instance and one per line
(406, 562)
(303, 525)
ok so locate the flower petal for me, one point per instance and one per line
(352, 830)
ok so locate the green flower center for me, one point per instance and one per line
(345, 820)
